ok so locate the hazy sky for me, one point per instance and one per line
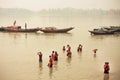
(48, 4)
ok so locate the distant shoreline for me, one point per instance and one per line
(72, 12)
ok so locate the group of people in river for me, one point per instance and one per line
(68, 50)
(54, 56)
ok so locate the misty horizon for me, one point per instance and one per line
(60, 9)
(36, 5)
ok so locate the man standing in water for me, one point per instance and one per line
(106, 68)
(40, 56)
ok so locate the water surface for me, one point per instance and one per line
(18, 51)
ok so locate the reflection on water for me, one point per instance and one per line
(52, 35)
(100, 36)
(104, 36)
(50, 72)
(94, 55)
(117, 34)
(16, 35)
(40, 65)
(68, 60)
(79, 53)
(40, 68)
(53, 69)
(106, 77)
(25, 35)
(56, 65)
(19, 49)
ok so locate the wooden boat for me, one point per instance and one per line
(55, 30)
(102, 31)
(19, 29)
(15, 28)
(2, 29)
(115, 28)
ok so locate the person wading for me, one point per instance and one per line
(40, 56)
(106, 68)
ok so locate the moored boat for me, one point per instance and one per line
(55, 30)
(18, 29)
(102, 31)
(115, 28)
(2, 29)
(15, 28)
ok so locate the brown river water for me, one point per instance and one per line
(19, 59)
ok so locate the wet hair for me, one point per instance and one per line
(52, 51)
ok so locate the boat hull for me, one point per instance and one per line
(116, 28)
(2, 29)
(57, 30)
(101, 33)
(23, 30)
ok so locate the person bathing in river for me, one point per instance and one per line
(68, 48)
(53, 54)
(64, 48)
(69, 54)
(106, 68)
(50, 64)
(40, 56)
(79, 49)
(56, 56)
(95, 50)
